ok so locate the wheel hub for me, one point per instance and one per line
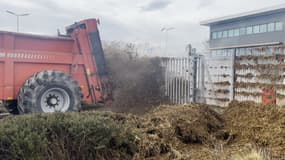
(52, 100)
(55, 100)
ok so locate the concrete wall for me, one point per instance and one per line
(278, 36)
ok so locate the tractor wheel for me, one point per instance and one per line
(50, 91)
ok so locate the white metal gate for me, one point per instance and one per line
(202, 79)
(219, 79)
(181, 78)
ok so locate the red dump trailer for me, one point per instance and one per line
(48, 74)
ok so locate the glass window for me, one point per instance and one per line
(220, 34)
(249, 30)
(231, 52)
(236, 32)
(242, 31)
(214, 53)
(263, 28)
(242, 51)
(231, 33)
(237, 52)
(278, 26)
(218, 52)
(248, 51)
(224, 52)
(214, 35)
(256, 29)
(225, 34)
(271, 27)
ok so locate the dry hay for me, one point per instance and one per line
(219, 99)
(259, 85)
(260, 66)
(222, 91)
(192, 131)
(278, 57)
(248, 75)
(198, 132)
(252, 154)
(262, 125)
(271, 77)
(254, 94)
(168, 132)
(225, 83)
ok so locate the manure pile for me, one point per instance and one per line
(193, 131)
(198, 132)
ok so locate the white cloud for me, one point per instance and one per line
(129, 20)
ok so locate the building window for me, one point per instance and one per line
(222, 52)
(231, 33)
(271, 27)
(220, 34)
(249, 30)
(263, 28)
(256, 29)
(242, 31)
(278, 26)
(225, 34)
(214, 35)
(236, 32)
(242, 51)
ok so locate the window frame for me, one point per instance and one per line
(219, 35)
(251, 30)
(231, 33)
(256, 29)
(236, 32)
(242, 31)
(282, 26)
(225, 31)
(214, 35)
(268, 27)
(261, 27)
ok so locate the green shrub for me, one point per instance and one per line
(65, 136)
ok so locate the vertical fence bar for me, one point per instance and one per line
(182, 81)
(171, 81)
(178, 88)
(191, 77)
(168, 77)
(198, 79)
(175, 88)
(165, 75)
(185, 82)
(188, 79)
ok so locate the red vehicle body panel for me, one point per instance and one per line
(22, 55)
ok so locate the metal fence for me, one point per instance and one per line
(181, 78)
(199, 79)
(246, 74)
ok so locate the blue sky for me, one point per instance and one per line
(133, 21)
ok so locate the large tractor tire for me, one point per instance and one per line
(50, 91)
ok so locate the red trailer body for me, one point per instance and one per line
(78, 54)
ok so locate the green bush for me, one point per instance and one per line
(65, 136)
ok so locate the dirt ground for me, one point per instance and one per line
(198, 132)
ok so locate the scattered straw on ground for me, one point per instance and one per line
(179, 132)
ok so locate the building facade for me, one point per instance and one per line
(263, 27)
(246, 60)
